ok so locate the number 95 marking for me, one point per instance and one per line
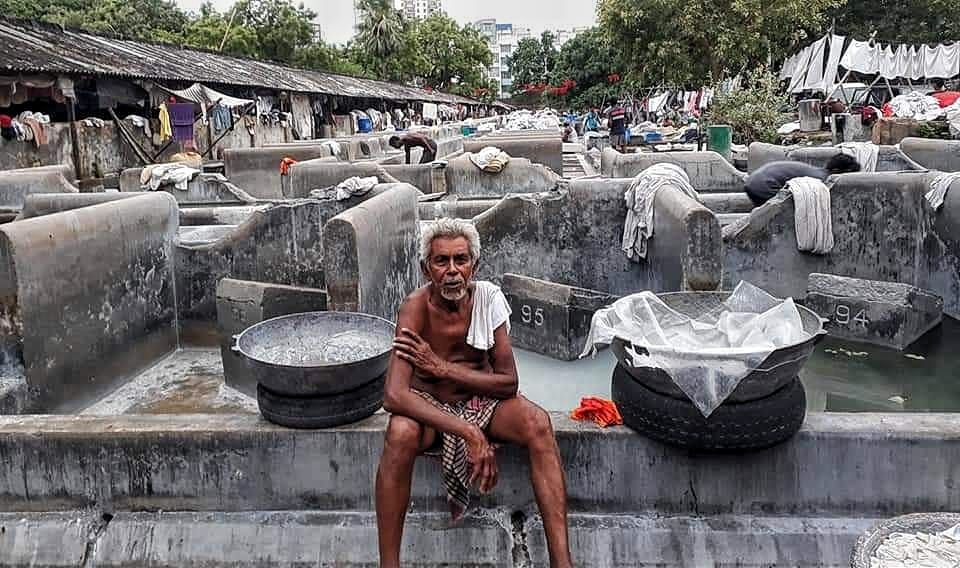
(529, 315)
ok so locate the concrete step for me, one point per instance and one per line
(730, 218)
(494, 537)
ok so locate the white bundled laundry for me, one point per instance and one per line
(355, 186)
(938, 189)
(640, 197)
(919, 550)
(865, 153)
(953, 117)
(811, 213)
(175, 174)
(490, 159)
(490, 311)
(916, 105)
(707, 356)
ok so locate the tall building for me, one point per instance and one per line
(419, 9)
(502, 39)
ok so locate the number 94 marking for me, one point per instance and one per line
(842, 316)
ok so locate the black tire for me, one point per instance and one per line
(321, 411)
(732, 427)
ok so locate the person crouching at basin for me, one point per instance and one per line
(452, 391)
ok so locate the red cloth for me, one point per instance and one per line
(601, 411)
(887, 110)
(5, 121)
(946, 98)
(285, 165)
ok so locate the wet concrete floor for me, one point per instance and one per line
(839, 377)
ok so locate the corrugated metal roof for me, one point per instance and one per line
(28, 47)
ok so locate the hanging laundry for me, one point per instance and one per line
(285, 164)
(166, 131)
(942, 61)
(6, 127)
(814, 78)
(221, 117)
(860, 57)
(182, 119)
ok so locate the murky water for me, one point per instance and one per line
(839, 377)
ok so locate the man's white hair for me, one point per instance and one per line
(450, 229)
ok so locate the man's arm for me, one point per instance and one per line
(399, 399)
(406, 149)
(500, 383)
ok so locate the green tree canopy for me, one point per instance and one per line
(594, 65)
(533, 60)
(896, 21)
(450, 55)
(700, 41)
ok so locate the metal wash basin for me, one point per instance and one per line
(317, 353)
(778, 369)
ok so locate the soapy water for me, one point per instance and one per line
(338, 348)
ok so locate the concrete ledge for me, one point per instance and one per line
(293, 538)
(943, 155)
(889, 158)
(708, 171)
(839, 465)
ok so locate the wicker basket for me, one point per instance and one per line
(868, 544)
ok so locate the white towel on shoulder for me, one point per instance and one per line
(811, 212)
(490, 311)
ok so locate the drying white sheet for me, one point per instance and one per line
(919, 550)
(860, 57)
(706, 356)
(811, 212)
(800, 72)
(939, 187)
(866, 154)
(833, 61)
(490, 311)
(814, 79)
(888, 63)
(786, 71)
(640, 197)
(953, 117)
(942, 61)
(915, 69)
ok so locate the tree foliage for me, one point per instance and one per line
(594, 65)
(896, 21)
(696, 41)
(754, 111)
(533, 60)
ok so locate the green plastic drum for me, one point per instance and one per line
(720, 137)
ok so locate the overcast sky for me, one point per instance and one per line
(336, 16)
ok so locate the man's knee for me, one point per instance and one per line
(403, 436)
(539, 429)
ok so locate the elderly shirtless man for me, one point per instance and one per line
(452, 390)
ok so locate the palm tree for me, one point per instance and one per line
(380, 28)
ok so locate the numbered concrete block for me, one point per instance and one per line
(548, 318)
(883, 313)
(242, 303)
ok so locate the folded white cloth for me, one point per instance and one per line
(354, 186)
(175, 174)
(811, 212)
(865, 153)
(939, 187)
(490, 159)
(490, 311)
(640, 197)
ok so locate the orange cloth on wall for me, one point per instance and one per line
(285, 165)
(601, 411)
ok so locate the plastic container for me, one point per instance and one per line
(365, 125)
(720, 138)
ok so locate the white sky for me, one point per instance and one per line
(336, 16)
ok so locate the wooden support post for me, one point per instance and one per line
(74, 138)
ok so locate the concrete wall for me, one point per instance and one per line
(282, 244)
(573, 237)
(543, 147)
(257, 170)
(371, 253)
(889, 158)
(204, 188)
(87, 297)
(42, 204)
(16, 185)
(708, 171)
(632, 501)
(943, 155)
(456, 208)
(883, 229)
(318, 174)
(464, 179)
